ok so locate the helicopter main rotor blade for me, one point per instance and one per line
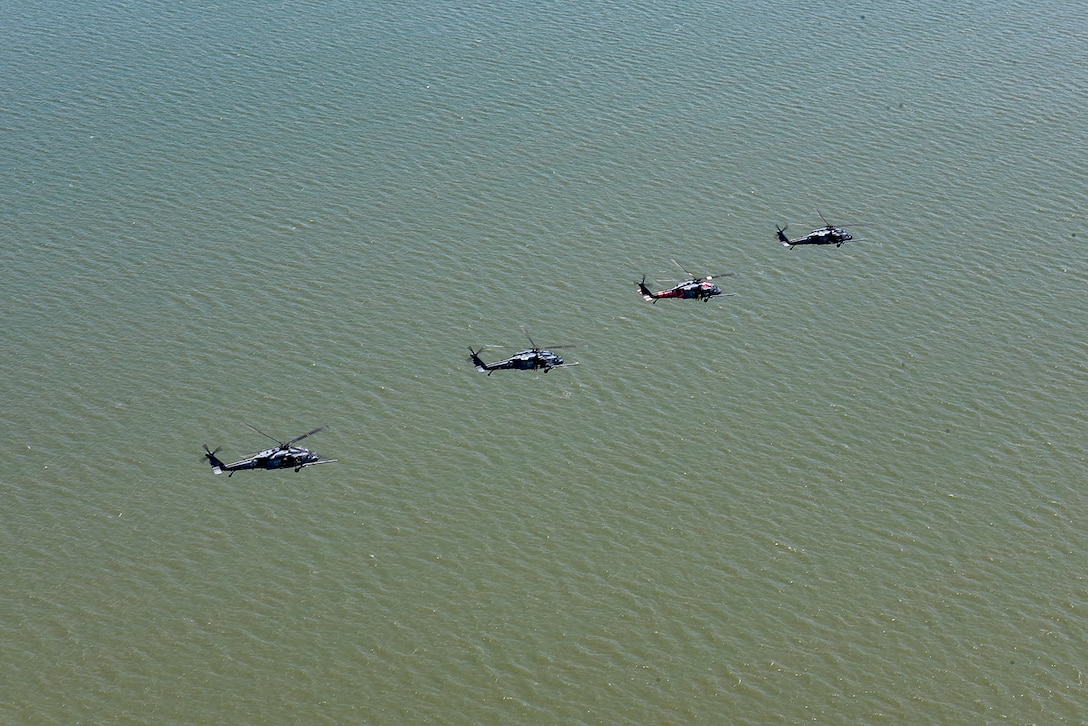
(308, 433)
(840, 226)
(262, 433)
(526, 331)
(683, 268)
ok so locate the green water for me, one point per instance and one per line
(853, 493)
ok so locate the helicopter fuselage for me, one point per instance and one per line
(531, 359)
(282, 456)
(277, 458)
(688, 291)
(700, 288)
(826, 236)
(526, 360)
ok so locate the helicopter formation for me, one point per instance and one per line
(286, 455)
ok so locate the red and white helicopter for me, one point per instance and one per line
(697, 288)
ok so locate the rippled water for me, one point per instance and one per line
(851, 493)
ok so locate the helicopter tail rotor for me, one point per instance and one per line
(782, 238)
(474, 358)
(647, 293)
(217, 465)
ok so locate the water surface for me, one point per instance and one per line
(851, 493)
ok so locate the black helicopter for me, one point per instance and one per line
(697, 288)
(527, 360)
(282, 456)
(829, 235)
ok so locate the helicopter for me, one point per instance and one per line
(697, 288)
(829, 235)
(526, 360)
(282, 456)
